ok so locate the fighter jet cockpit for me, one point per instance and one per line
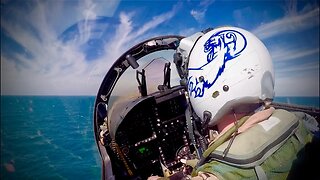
(142, 113)
(162, 102)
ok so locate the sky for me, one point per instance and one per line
(66, 47)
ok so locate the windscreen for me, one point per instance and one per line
(126, 88)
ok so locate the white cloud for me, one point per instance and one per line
(295, 69)
(199, 13)
(126, 37)
(188, 31)
(291, 7)
(294, 75)
(241, 16)
(206, 3)
(57, 68)
(292, 23)
(155, 22)
(281, 54)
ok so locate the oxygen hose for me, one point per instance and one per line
(217, 143)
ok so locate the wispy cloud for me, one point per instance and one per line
(49, 66)
(61, 68)
(290, 7)
(296, 68)
(304, 67)
(292, 23)
(200, 12)
(188, 31)
(126, 36)
(281, 54)
(157, 20)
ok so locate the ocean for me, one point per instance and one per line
(48, 137)
(51, 137)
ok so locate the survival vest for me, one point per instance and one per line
(265, 151)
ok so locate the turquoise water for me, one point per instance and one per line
(304, 101)
(48, 137)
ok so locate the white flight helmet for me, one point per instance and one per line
(229, 71)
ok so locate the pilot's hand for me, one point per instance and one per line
(154, 177)
(176, 176)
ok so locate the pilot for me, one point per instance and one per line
(230, 80)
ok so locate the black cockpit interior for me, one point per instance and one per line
(140, 121)
(152, 133)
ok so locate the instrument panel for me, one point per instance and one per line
(152, 136)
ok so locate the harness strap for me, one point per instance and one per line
(261, 175)
(217, 143)
(224, 137)
(298, 135)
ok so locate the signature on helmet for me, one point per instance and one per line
(221, 47)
